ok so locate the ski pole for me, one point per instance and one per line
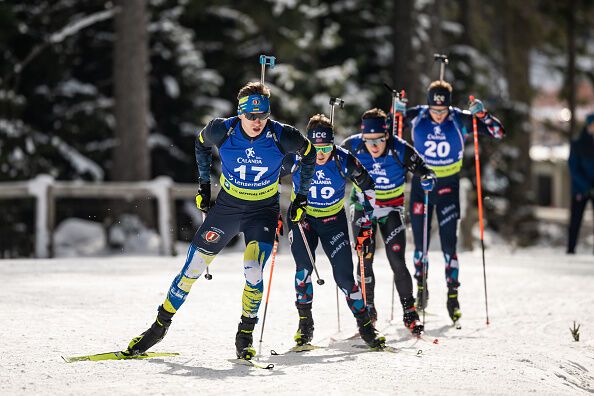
(362, 270)
(333, 103)
(425, 259)
(443, 60)
(396, 95)
(269, 61)
(393, 287)
(479, 191)
(208, 276)
(320, 281)
(403, 98)
(272, 259)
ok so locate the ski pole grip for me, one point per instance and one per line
(268, 61)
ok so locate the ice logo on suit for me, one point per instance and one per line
(250, 153)
(377, 167)
(320, 174)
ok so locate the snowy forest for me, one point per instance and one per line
(69, 109)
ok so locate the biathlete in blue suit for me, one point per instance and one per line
(387, 159)
(251, 147)
(326, 222)
(439, 132)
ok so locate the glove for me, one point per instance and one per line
(203, 197)
(280, 226)
(298, 206)
(428, 182)
(364, 241)
(477, 108)
(400, 106)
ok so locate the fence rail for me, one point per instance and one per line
(44, 189)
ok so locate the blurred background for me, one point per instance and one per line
(96, 92)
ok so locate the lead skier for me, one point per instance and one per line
(251, 147)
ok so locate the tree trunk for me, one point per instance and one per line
(517, 43)
(404, 67)
(570, 78)
(131, 156)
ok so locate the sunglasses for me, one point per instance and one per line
(257, 116)
(374, 142)
(324, 149)
(438, 112)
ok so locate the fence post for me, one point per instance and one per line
(40, 189)
(161, 188)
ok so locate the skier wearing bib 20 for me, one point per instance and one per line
(251, 147)
(326, 222)
(439, 132)
(387, 159)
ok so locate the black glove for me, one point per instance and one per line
(364, 240)
(203, 197)
(298, 206)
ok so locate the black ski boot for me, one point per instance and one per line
(153, 335)
(411, 317)
(304, 333)
(453, 304)
(422, 300)
(244, 338)
(368, 332)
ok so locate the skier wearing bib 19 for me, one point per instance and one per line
(251, 147)
(439, 132)
(387, 159)
(326, 222)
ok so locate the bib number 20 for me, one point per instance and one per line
(437, 149)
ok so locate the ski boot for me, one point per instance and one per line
(304, 333)
(152, 336)
(422, 300)
(453, 304)
(244, 338)
(368, 332)
(411, 317)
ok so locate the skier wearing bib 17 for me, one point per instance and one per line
(251, 147)
(387, 159)
(326, 222)
(439, 132)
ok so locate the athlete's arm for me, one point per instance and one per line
(209, 136)
(412, 160)
(292, 141)
(366, 186)
(290, 165)
(486, 125)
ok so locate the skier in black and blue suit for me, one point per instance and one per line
(326, 223)
(251, 147)
(439, 132)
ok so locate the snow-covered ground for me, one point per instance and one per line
(74, 306)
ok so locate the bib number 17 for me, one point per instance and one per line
(259, 169)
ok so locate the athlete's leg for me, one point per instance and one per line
(417, 203)
(334, 236)
(393, 232)
(356, 219)
(303, 265)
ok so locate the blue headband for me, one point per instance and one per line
(590, 119)
(320, 135)
(255, 103)
(373, 125)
